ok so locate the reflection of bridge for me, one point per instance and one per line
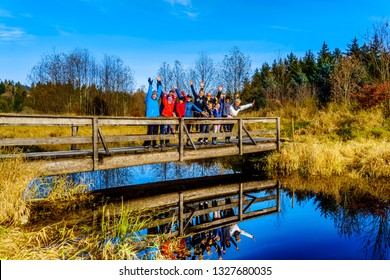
(249, 199)
(94, 143)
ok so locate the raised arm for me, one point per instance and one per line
(219, 93)
(150, 89)
(243, 232)
(246, 106)
(159, 86)
(178, 93)
(193, 90)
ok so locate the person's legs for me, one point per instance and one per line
(163, 130)
(154, 131)
(202, 130)
(169, 131)
(216, 129)
(229, 128)
(206, 130)
(149, 132)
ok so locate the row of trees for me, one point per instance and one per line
(12, 96)
(77, 83)
(232, 72)
(361, 73)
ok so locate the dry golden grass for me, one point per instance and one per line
(338, 140)
(59, 189)
(114, 237)
(63, 131)
(370, 159)
(338, 186)
(57, 131)
(14, 179)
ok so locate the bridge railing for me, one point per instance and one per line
(96, 136)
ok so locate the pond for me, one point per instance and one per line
(279, 222)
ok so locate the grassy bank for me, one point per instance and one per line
(64, 225)
(335, 141)
(14, 178)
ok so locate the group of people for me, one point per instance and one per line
(176, 103)
(201, 244)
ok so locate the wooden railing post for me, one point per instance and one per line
(278, 185)
(95, 145)
(181, 213)
(240, 201)
(181, 139)
(240, 136)
(74, 134)
(278, 134)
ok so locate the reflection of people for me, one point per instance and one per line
(227, 240)
(235, 231)
(228, 212)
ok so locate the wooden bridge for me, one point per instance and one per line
(70, 144)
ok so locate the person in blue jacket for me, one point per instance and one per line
(152, 109)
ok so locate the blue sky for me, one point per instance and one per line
(144, 34)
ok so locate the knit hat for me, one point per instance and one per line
(170, 99)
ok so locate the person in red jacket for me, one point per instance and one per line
(180, 107)
(168, 101)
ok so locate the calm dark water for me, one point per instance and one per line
(309, 226)
(305, 230)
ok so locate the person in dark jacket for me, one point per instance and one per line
(200, 100)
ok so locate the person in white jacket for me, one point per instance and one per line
(235, 232)
(237, 107)
(234, 109)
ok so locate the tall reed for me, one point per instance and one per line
(14, 179)
(370, 159)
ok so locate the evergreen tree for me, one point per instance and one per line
(2, 88)
(353, 49)
(309, 66)
(325, 63)
(324, 55)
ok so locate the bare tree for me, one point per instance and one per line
(346, 79)
(165, 72)
(204, 71)
(178, 75)
(378, 45)
(51, 69)
(115, 76)
(235, 70)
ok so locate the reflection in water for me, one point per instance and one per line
(105, 179)
(195, 218)
(357, 216)
(195, 222)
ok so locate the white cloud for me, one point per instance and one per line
(180, 7)
(4, 13)
(12, 34)
(285, 28)
(191, 14)
(180, 2)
